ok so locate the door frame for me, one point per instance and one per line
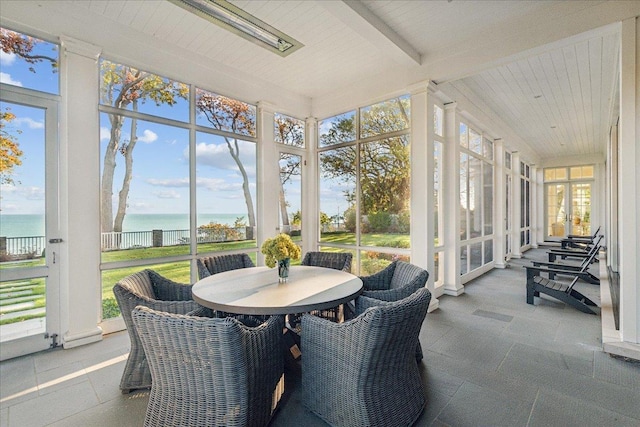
(51, 270)
(568, 203)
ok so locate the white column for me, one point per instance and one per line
(422, 206)
(79, 199)
(499, 223)
(516, 203)
(310, 189)
(629, 182)
(268, 177)
(451, 202)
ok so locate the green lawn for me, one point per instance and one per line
(179, 271)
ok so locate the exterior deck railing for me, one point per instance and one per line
(34, 246)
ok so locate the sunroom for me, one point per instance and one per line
(454, 135)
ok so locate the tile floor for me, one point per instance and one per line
(490, 360)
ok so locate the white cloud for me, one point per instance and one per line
(32, 124)
(218, 184)
(7, 59)
(168, 194)
(6, 78)
(218, 156)
(176, 183)
(148, 136)
(105, 133)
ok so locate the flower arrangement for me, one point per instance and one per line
(279, 248)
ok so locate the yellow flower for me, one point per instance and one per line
(279, 248)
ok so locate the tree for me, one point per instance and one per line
(234, 116)
(384, 163)
(122, 87)
(289, 131)
(22, 45)
(10, 152)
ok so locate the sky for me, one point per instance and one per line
(160, 181)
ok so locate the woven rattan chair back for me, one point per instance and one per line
(210, 372)
(150, 289)
(219, 263)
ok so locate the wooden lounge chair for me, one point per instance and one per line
(537, 284)
(571, 269)
(578, 241)
(575, 252)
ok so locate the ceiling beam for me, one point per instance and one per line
(363, 21)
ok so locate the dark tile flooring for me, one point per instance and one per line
(490, 360)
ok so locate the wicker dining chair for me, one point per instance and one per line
(219, 263)
(362, 372)
(211, 372)
(337, 261)
(150, 289)
(397, 281)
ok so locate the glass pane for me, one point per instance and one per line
(372, 262)
(464, 135)
(587, 171)
(438, 120)
(388, 116)
(385, 192)
(475, 194)
(225, 114)
(475, 258)
(464, 266)
(581, 209)
(225, 192)
(176, 271)
(290, 193)
(523, 202)
(507, 160)
(144, 208)
(22, 177)
(337, 129)
(487, 193)
(487, 149)
(131, 89)
(437, 194)
(22, 308)
(475, 141)
(288, 130)
(438, 268)
(29, 62)
(464, 200)
(488, 251)
(556, 210)
(338, 216)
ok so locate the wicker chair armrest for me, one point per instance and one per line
(176, 307)
(391, 294)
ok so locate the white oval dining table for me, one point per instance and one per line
(256, 290)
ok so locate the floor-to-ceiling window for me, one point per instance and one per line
(438, 205)
(476, 200)
(289, 132)
(364, 183)
(568, 200)
(30, 259)
(178, 175)
(525, 205)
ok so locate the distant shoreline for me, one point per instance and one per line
(25, 225)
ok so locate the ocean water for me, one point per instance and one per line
(33, 225)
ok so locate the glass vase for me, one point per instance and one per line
(283, 269)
